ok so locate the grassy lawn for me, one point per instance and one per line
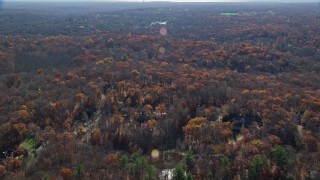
(28, 144)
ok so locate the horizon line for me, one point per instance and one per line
(157, 1)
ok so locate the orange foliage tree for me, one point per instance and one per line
(66, 173)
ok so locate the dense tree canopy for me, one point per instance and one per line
(227, 93)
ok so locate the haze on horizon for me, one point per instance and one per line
(276, 1)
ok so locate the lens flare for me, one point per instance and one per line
(163, 31)
(155, 154)
(162, 50)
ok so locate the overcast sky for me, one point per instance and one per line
(163, 0)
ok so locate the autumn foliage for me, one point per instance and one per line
(66, 173)
(220, 96)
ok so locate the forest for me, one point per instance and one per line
(146, 91)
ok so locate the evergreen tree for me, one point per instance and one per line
(280, 155)
(123, 161)
(179, 172)
(150, 170)
(258, 163)
(189, 159)
(79, 171)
